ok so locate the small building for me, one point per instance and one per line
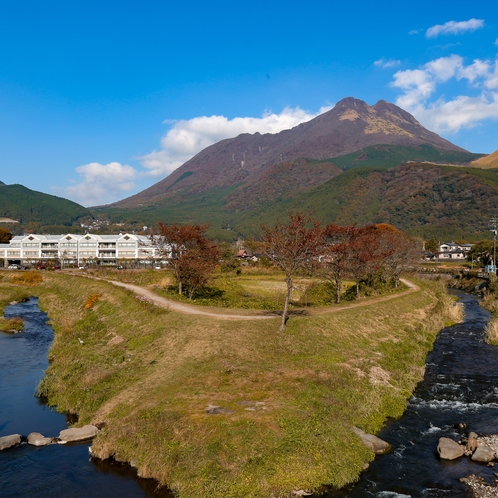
(453, 251)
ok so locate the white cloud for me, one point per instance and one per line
(383, 63)
(460, 111)
(102, 183)
(106, 183)
(454, 28)
(188, 137)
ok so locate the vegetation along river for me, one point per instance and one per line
(460, 386)
(55, 470)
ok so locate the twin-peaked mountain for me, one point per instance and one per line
(262, 166)
(353, 164)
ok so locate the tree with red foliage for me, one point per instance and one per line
(5, 236)
(337, 254)
(189, 253)
(293, 246)
(367, 255)
(399, 250)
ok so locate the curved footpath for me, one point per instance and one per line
(195, 310)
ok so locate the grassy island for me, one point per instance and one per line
(231, 408)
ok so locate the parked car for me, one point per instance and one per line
(13, 267)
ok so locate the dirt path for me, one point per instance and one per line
(225, 315)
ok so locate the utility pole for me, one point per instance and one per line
(492, 226)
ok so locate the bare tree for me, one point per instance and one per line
(292, 246)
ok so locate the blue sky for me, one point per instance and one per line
(99, 100)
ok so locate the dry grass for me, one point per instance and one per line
(11, 325)
(27, 278)
(491, 331)
(289, 399)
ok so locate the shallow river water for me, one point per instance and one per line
(460, 386)
(56, 470)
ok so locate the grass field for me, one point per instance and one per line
(286, 401)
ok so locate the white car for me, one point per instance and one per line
(13, 267)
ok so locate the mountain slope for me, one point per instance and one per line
(490, 161)
(425, 200)
(25, 205)
(350, 126)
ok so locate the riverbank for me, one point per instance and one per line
(219, 408)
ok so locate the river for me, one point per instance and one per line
(460, 386)
(55, 470)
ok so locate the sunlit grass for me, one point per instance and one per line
(289, 399)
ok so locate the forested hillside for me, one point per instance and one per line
(28, 206)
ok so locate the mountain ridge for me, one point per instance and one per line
(349, 126)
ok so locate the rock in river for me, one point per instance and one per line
(449, 449)
(37, 439)
(7, 442)
(78, 434)
(374, 443)
(483, 454)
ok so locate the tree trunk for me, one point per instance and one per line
(337, 290)
(180, 290)
(288, 281)
(396, 281)
(357, 288)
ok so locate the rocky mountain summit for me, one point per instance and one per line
(256, 160)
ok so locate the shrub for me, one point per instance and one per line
(91, 300)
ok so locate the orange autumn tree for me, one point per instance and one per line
(292, 246)
(189, 253)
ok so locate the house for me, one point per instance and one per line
(245, 254)
(453, 251)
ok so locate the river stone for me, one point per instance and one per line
(78, 433)
(7, 442)
(374, 443)
(449, 449)
(472, 444)
(483, 454)
(37, 439)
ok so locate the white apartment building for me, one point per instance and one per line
(77, 249)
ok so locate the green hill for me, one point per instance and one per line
(392, 155)
(424, 199)
(28, 206)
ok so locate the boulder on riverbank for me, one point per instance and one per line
(449, 449)
(374, 443)
(37, 439)
(7, 442)
(78, 434)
